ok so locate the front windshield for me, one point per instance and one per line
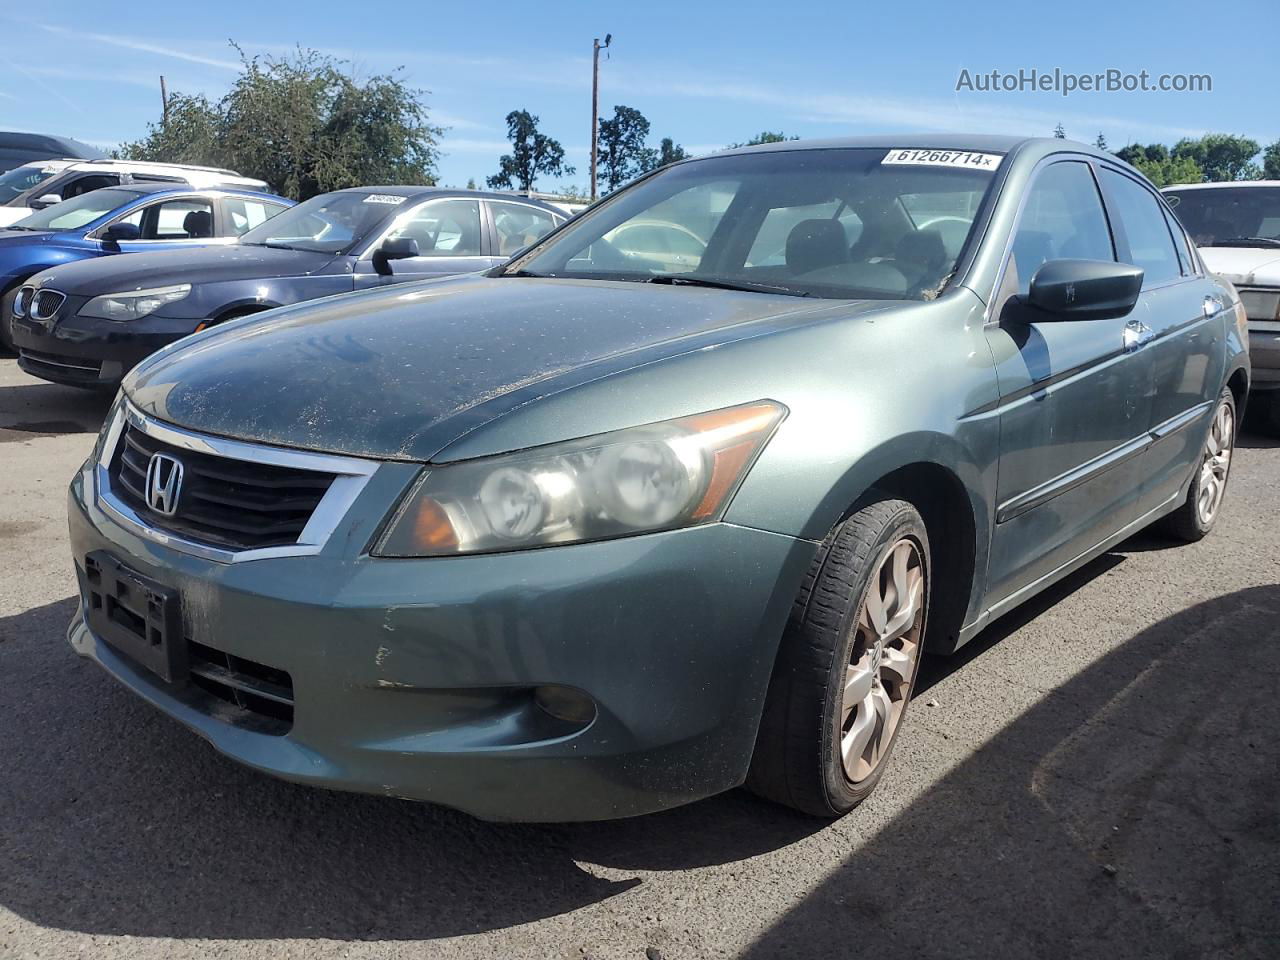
(78, 211)
(844, 223)
(1229, 216)
(19, 180)
(329, 223)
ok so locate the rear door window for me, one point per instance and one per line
(519, 225)
(243, 214)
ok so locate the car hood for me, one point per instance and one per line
(230, 261)
(16, 238)
(1244, 266)
(401, 373)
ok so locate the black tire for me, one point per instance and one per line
(1187, 523)
(6, 320)
(797, 758)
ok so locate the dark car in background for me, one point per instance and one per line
(340, 242)
(19, 148)
(112, 221)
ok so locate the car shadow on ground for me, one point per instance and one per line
(115, 820)
(1132, 812)
(29, 410)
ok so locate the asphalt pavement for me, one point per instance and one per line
(1095, 776)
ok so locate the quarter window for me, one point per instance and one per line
(519, 225)
(1063, 220)
(1150, 245)
(443, 228)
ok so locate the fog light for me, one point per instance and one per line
(565, 703)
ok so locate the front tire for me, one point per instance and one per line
(1193, 520)
(847, 664)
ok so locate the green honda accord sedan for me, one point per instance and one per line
(675, 500)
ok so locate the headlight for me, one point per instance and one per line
(655, 477)
(134, 304)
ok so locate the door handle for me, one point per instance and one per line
(1136, 333)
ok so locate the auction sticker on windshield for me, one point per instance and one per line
(384, 198)
(944, 158)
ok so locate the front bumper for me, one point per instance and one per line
(1264, 355)
(412, 678)
(88, 351)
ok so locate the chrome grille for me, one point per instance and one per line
(45, 304)
(22, 303)
(236, 504)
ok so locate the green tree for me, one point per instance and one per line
(1101, 142)
(471, 183)
(305, 125)
(1060, 132)
(191, 134)
(532, 153)
(1159, 165)
(767, 136)
(669, 152)
(1221, 156)
(623, 154)
(1271, 161)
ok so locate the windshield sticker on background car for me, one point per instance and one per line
(944, 158)
(384, 198)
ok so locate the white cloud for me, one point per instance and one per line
(142, 46)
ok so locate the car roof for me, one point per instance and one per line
(401, 190)
(147, 189)
(111, 163)
(1222, 183)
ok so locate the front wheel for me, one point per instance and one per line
(1196, 516)
(847, 665)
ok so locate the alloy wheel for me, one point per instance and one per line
(1216, 463)
(882, 660)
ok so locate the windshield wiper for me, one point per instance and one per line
(1246, 242)
(685, 280)
(525, 273)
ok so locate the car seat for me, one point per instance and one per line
(814, 244)
(198, 224)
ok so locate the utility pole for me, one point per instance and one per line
(164, 103)
(596, 47)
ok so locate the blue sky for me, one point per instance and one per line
(706, 73)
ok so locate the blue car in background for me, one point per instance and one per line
(125, 219)
(105, 316)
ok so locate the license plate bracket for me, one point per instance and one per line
(135, 615)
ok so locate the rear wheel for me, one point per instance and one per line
(1195, 518)
(847, 664)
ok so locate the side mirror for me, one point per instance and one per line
(48, 200)
(121, 231)
(1085, 289)
(397, 248)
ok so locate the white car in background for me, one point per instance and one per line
(1236, 225)
(46, 182)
